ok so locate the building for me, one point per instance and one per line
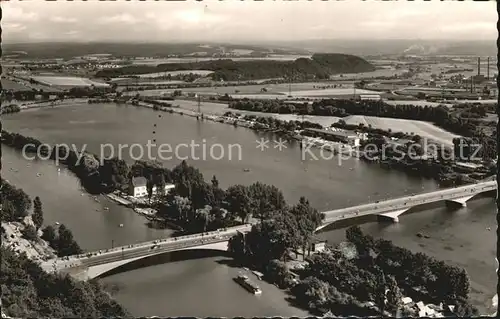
(346, 137)
(138, 187)
(318, 246)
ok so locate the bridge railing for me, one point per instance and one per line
(162, 241)
(360, 209)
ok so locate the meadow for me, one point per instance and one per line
(424, 129)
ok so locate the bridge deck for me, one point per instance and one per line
(407, 202)
(165, 245)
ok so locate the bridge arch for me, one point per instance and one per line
(104, 269)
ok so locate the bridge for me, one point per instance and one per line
(91, 265)
(393, 208)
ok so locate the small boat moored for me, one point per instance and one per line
(246, 283)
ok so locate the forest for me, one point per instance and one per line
(320, 66)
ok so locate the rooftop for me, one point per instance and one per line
(139, 181)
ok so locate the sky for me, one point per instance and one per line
(245, 21)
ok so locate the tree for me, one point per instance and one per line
(363, 243)
(265, 200)
(308, 220)
(215, 182)
(37, 216)
(239, 201)
(149, 187)
(66, 245)
(394, 296)
(380, 292)
(278, 272)
(49, 235)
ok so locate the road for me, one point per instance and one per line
(409, 201)
(170, 244)
(144, 249)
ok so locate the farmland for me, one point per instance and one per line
(424, 129)
(67, 81)
(220, 109)
(269, 91)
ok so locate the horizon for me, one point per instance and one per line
(200, 22)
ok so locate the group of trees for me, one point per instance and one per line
(30, 292)
(200, 206)
(364, 277)
(27, 290)
(11, 108)
(480, 146)
(15, 202)
(320, 66)
(62, 241)
(16, 205)
(416, 274)
(95, 178)
(282, 230)
(264, 105)
(30, 232)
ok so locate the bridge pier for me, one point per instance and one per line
(462, 201)
(392, 216)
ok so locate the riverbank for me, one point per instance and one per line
(465, 242)
(53, 103)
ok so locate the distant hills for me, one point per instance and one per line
(65, 50)
(319, 66)
(396, 47)
(50, 50)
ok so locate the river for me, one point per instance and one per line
(460, 237)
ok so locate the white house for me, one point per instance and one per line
(138, 187)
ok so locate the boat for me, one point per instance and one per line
(246, 170)
(106, 208)
(57, 223)
(258, 274)
(248, 284)
(121, 225)
(38, 174)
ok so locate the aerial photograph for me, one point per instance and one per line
(248, 159)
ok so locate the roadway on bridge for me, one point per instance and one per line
(170, 244)
(144, 249)
(409, 201)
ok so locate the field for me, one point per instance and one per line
(272, 91)
(14, 86)
(67, 81)
(424, 129)
(220, 109)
